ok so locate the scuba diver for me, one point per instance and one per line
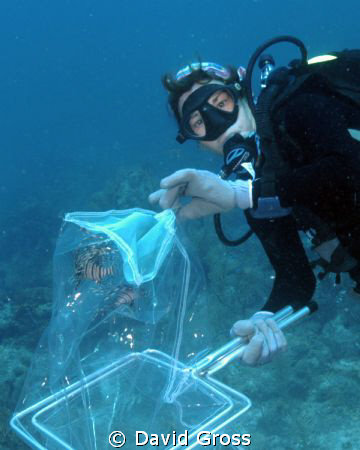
(296, 159)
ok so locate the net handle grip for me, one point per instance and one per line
(233, 349)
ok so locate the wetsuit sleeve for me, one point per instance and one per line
(331, 170)
(294, 282)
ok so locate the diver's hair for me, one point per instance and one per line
(176, 88)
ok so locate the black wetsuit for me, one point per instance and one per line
(324, 177)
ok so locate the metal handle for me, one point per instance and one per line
(233, 349)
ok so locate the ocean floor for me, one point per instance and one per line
(307, 398)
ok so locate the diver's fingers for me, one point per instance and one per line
(167, 198)
(170, 197)
(279, 336)
(180, 177)
(268, 335)
(154, 197)
(274, 339)
(254, 350)
(197, 208)
(243, 328)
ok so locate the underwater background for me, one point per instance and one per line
(84, 126)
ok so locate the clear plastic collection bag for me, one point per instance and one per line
(123, 289)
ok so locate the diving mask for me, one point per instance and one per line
(208, 67)
(209, 111)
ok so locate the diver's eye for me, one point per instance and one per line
(196, 121)
(197, 124)
(223, 100)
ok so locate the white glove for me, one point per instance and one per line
(265, 338)
(210, 194)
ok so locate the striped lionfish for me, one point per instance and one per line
(95, 263)
(91, 264)
(120, 295)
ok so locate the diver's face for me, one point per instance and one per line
(225, 102)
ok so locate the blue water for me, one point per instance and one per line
(81, 100)
(80, 77)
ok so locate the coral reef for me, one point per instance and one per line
(129, 188)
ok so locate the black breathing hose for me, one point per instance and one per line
(254, 58)
(250, 99)
(224, 239)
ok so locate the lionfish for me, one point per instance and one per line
(121, 295)
(96, 262)
(91, 264)
(124, 294)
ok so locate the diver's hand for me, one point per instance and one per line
(265, 338)
(209, 193)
